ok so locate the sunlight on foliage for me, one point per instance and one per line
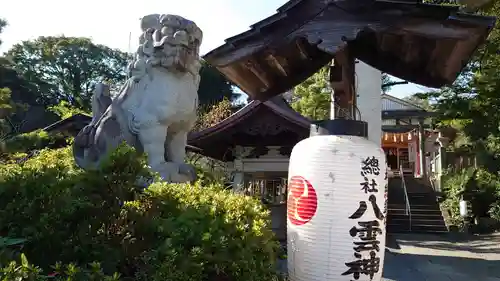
(312, 97)
(174, 232)
(65, 110)
(209, 116)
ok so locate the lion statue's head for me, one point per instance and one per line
(170, 42)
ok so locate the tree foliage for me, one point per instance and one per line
(214, 87)
(471, 104)
(471, 107)
(67, 68)
(8, 125)
(209, 116)
(416, 100)
(312, 97)
(3, 24)
(65, 110)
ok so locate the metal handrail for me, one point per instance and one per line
(407, 200)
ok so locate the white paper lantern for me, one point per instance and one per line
(337, 208)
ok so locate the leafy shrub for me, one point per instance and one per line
(209, 171)
(478, 186)
(27, 142)
(172, 232)
(28, 272)
(453, 188)
(494, 211)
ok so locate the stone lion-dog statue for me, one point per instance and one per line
(156, 108)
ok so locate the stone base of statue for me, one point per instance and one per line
(157, 106)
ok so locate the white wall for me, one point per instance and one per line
(368, 86)
(261, 165)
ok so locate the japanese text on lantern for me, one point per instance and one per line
(366, 247)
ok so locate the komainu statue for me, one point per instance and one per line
(156, 108)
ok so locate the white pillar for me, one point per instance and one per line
(369, 88)
(238, 182)
(238, 176)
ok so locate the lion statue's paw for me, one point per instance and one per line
(177, 173)
(187, 172)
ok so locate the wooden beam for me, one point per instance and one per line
(343, 84)
(276, 62)
(259, 72)
(302, 49)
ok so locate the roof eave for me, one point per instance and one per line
(243, 59)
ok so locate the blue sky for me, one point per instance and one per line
(111, 22)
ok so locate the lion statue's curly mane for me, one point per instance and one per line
(156, 108)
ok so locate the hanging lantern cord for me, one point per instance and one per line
(358, 111)
(339, 109)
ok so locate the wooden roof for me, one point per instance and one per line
(395, 108)
(422, 43)
(390, 102)
(258, 124)
(71, 125)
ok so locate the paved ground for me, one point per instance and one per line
(441, 258)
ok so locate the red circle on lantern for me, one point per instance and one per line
(302, 201)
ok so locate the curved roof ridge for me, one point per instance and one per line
(225, 123)
(287, 113)
(303, 35)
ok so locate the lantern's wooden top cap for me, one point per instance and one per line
(422, 43)
(339, 127)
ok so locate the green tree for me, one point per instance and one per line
(3, 24)
(8, 127)
(420, 102)
(214, 87)
(312, 97)
(471, 104)
(6, 106)
(9, 122)
(209, 116)
(67, 68)
(388, 82)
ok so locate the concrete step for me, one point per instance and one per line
(392, 227)
(426, 216)
(420, 201)
(415, 212)
(415, 217)
(433, 222)
(414, 206)
(415, 228)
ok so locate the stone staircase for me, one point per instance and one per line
(426, 216)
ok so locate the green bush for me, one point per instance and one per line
(494, 211)
(453, 188)
(25, 271)
(171, 232)
(478, 186)
(27, 142)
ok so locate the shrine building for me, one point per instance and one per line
(255, 142)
